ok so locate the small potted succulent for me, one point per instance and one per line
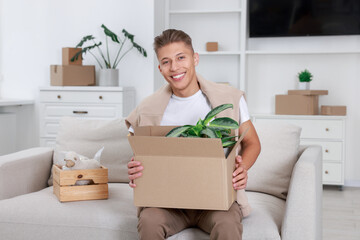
(108, 74)
(305, 77)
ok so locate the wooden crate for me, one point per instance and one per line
(66, 190)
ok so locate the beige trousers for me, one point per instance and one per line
(161, 223)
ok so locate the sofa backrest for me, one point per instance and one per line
(272, 170)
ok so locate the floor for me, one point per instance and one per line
(341, 213)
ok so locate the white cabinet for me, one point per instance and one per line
(326, 131)
(214, 21)
(82, 102)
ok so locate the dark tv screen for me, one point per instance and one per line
(282, 18)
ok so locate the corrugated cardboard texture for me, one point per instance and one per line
(72, 75)
(68, 53)
(333, 110)
(190, 173)
(308, 92)
(297, 104)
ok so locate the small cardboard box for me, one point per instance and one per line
(72, 75)
(333, 110)
(66, 190)
(68, 53)
(190, 173)
(297, 104)
(211, 46)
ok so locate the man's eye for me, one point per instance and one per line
(181, 57)
(164, 63)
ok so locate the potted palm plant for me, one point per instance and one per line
(108, 74)
(305, 77)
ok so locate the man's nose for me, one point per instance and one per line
(174, 66)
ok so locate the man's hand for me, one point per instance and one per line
(134, 171)
(240, 175)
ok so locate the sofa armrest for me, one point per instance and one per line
(25, 171)
(303, 214)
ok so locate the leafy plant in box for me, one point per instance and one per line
(210, 127)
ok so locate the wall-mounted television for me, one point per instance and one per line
(282, 18)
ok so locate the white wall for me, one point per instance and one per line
(269, 75)
(33, 33)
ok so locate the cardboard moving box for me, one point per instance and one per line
(212, 46)
(333, 110)
(190, 173)
(296, 104)
(72, 75)
(68, 53)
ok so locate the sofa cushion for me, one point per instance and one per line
(40, 215)
(279, 152)
(86, 137)
(264, 222)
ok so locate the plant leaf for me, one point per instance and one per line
(84, 50)
(85, 39)
(208, 132)
(225, 139)
(215, 111)
(228, 144)
(176, 132)
(110, 34)
(140, 49)
(224, 123)
(128, 35)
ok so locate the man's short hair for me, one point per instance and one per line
(170, 36)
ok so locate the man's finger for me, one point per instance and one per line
(135, 170)
(134, 176)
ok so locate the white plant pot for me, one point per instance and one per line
(304, 85)
(108, 77)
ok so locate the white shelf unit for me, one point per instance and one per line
(326, 131)
(220, 21)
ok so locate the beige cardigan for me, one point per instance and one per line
(150, 112)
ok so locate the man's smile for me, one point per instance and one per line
(178, 77)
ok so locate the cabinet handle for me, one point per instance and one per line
(326, 172)
(100, 97)
(59, 96)
(80, 112)
(326, 150)
(327, 129)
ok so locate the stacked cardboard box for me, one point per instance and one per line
(299, 102)
(71, 73)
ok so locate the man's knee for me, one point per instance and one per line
(227, 228)
(152, 224)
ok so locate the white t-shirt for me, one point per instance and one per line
(188, 110)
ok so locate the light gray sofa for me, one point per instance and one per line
(30, 210)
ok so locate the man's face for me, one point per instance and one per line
(177, 64)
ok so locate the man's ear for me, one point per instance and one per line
(196, 59)
(159, 68)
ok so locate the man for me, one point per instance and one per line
(185, 99)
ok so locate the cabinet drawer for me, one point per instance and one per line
(332, 173)
(53, 110)
(314, 128)
(81, 97)
(332, 151)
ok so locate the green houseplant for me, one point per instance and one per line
(210, 127)
(108, 66)
(305, 77)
